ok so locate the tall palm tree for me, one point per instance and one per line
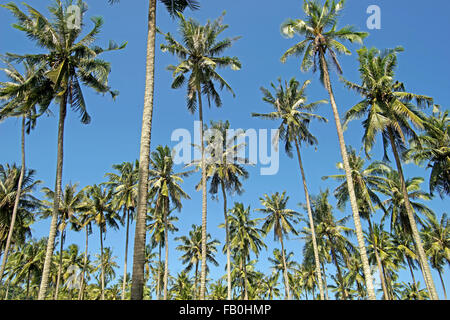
(106, 262)
(70, 203)
(225, 175)
(278, 264)
(365, 179)
(199, 56)
(390, 112)
(68, 64)
(436, 235)
(22, 94)
(191, 246)
(290, 107)
(281, 220)
(245, 237)
(173, 8)
(321, 41)
(98, 203)
(165, 186)
(433, 146)
(27, 206)
(125, 185)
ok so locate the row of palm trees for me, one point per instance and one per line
(71, 59)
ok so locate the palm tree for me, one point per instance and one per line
(125, 185)
(173, 8)
(225, 174)
(182, 288)
(28, 204)
(191, 246)
(70, 203)
(245, 236)
(390, 112)
(281, 220)
(436, 236)
(412, 292)
(22, 94)
(322, 41)
(98, 204)
(295, 115)
(165, 186)
(199, 55)
(106, 263)
(433, 146)
(365, 179)
(278, 264)
(68, 63)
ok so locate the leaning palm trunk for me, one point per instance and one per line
(16, 203)
(350, 186)
(380, 267)
(442, 283)
(325, 282)
(166, 246)
(286, 279)
(204, 199)
(137, 284)
(58, 182)
(338, 269)
(227, 243)
(415, 233)
(311, 223)
(83, 274)
(58, 279)
(102, 276)
(158, 283)
(126, 254)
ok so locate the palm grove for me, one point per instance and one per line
(402, 231)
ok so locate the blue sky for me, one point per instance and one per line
(114, 133)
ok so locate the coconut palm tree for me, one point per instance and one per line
(165, 188)
(22, 94)
(277, 262)
(125, 186)
(182, 288)
(433, 146)
(70, 62)
(173, 8)
(390, 112)
(290, 107)
(436, 236)
(106, 262)
(191, 246)
(98, 204)
(199, 56)
(281, 220)
(322, 40)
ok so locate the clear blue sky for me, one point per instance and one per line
(114, 134)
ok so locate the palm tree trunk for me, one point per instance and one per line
(137, 282)
(126, 254)
(16, 203)
(204, 200)
(28, 285)
(442, 282)
(56, 199)
(325, 282)
(58, 279)
(83, 274)
(166, 246)
(350, 186)
(7, 289)
(158, 283)
(101, 265)
(377, 257)
(196, 281)
(311, 222)
(415, 232)
(227, 242)
(338, 268)
(244, 268)
(411, 271)
(286, 279)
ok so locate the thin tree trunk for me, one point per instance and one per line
(325, 282)
(7, 289)
(16, 203)
(196, 281)
(58, 279)
(311, 222)
(227, 242)
(126, 254)
(377, 257)
(28, 285)
(443, 285)
(158, 283)
(339, 272)
(56, 199)
(83, 274)
(411, 271)
(137, 282)
(102, 276)
(204, 200)
(244, 268)
(166, 246)
(415, 232)
(350, 186)
(286, 279)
